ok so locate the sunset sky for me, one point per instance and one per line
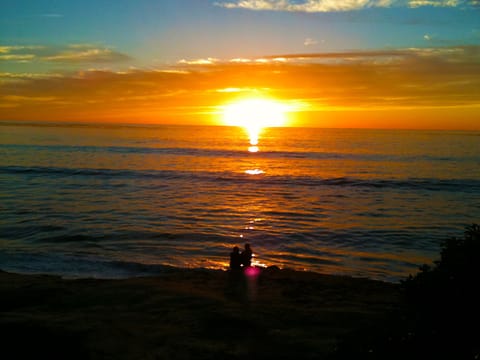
(342, 63)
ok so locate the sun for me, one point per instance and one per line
(254, 115)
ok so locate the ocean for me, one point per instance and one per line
(116, 201)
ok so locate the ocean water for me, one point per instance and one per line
(116, 201)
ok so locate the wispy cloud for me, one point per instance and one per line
(310, 42)
(312, 6)
(305, 6)
(17, 57)
(207, 61)
(73, 53)
(17, 48)
(435, 3)
(87, 56)
(28, 76)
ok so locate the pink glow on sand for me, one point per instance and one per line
(252, 271)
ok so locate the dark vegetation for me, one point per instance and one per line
(440, 315)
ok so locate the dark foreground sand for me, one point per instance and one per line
(188, 314)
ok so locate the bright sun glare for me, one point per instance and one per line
(254, 115)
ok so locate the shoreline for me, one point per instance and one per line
(163, 270)
(190, 313)
(118, 270)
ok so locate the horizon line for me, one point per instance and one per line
(87, 123)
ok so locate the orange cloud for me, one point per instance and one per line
(405, 88)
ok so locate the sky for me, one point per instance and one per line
(343, 63)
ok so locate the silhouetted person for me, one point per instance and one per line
(247, 256)
(235, 259)
(236, 283)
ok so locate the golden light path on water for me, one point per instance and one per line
(254, 172)
(255, 114)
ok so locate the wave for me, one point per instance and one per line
(427, 184)
(228, 153)
(74, 266)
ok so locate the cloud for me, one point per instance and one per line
(50, 15)
(16, 48)
(18, 57)
(19, 53)
(240, 60)
(87, 56)
(350, 57)
(313, 6)
(446, 54)
(73, 53)
(412, 78)
(435, 3)
(28, 98)
(27, 76)
(207, 61)
(305, 6)
(310, 42)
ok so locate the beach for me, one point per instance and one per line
(186, 314)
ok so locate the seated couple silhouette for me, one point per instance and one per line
(240, 260)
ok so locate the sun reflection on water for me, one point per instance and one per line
(253, 131)
(254, 115)
(254, 172)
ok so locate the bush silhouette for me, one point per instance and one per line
(453, 279)
(440, 315)
(443, 300)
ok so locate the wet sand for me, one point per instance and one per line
(189, 314)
